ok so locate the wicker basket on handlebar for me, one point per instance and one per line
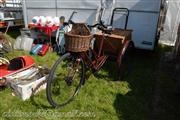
(78, 39)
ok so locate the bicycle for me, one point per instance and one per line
(68, 73)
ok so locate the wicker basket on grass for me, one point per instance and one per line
(78, 39)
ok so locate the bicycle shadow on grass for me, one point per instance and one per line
(136, 105)
(39, 104)
(108, 71)
(139, 103)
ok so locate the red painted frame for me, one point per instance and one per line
(99, 56)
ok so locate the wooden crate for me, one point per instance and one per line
(116, 39)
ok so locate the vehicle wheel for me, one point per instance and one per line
(5, 44)
(3, 61)
(65, 80)
(126, 66)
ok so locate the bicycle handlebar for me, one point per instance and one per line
(101, 27)
(104, 30)
(69, 22)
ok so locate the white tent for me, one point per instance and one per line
(143, 18)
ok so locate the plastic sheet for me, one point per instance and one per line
(168, 35)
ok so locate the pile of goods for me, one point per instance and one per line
(21, 73)
(39, 49)
(45, 21)
(27, 43)
(43, 30)
(22, 76)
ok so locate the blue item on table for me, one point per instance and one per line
(36, 49)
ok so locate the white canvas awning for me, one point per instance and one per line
(143, 18)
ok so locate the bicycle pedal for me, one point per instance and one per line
(69, 81)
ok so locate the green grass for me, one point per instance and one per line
(102, 98)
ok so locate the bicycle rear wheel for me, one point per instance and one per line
(5, 44)
(126, 62)
(65, 80)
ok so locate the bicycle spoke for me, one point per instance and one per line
(66, 81)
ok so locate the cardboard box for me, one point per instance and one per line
(23, 88)
(25, 91)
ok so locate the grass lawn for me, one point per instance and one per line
(147, 93)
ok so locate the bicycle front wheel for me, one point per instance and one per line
(65, 80)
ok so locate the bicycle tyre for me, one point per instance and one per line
(126, 67)
(49, 91)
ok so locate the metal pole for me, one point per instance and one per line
(7, 28)
(56, 7)
(24, 7)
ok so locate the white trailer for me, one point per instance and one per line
(143, 18)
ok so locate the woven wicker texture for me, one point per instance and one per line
(78, 39)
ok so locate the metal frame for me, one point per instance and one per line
(121, 10)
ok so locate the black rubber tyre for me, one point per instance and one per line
(65, 87)
(7, 47)
(37, 98)
(5, 43)
(126, 65)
